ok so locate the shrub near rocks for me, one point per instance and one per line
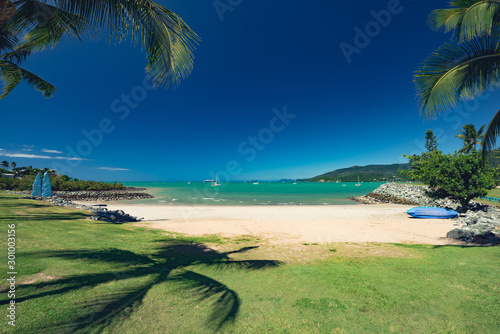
(457, 176)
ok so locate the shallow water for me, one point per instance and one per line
(263, 193)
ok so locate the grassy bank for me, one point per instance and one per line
(495, 193)
(76, 274)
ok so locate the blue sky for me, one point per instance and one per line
(272, 96)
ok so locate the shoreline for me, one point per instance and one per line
(385, 223)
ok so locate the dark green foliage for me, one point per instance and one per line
(26, 175)
(430, 141)
(16, 184)
(59, 184)
(458, 176)
(366, 173)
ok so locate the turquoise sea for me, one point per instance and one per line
(263, 193)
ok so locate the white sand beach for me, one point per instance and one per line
(291, 224)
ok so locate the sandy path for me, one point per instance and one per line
(292, 224)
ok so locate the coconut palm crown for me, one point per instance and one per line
(33, 25)
(471, 137)
(466, 67)
(466, 18)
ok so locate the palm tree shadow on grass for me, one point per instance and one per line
(167, 265)
(13, 202)
(47, 216)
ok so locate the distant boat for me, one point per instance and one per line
(295, 182)
(216, 182)
(256, 182)
(212, 181)
(358, 184)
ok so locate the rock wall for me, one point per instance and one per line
(481, 224)
(106, 195)
(100, 213)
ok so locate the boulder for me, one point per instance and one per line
(456, 234)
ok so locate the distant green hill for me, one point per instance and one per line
(365, 173)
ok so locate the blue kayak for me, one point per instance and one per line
(439, 213)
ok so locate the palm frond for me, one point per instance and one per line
(44, 25)
(491, 134)
(168, 40)
(446, 19)
(480, 133)
(8, 40)
(16, 56)
(458, 71)
(467, 17)
(12, 75)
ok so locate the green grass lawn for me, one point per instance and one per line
(495, 193)
(75, 274)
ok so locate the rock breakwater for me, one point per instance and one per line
(100, 212)
(480, 224)
(105, 195)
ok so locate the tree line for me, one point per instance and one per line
(24, 176)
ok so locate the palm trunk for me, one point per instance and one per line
(7, 11)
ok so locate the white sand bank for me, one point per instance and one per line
(292, 224)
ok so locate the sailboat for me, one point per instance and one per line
(216, 182)
(358, 184)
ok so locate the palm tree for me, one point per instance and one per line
(471, 137)
(466, 67)
(13, 165)
(5, 164)
(38, 24)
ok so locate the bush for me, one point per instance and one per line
(458, 176)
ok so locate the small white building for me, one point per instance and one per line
(8, 176)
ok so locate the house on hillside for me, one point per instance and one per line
(8, 176)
